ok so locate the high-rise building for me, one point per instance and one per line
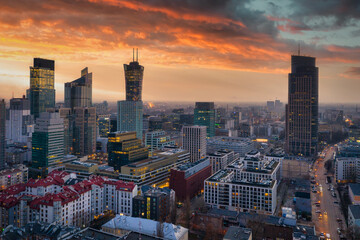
(48, 142)
(204, 115)
(130, 111)
(130, 117)
(2, 133)
(134, 73)
(19, 119)
(84, 131)
(270, 105)
(124, 148)
(302, 107)
(78, 93)
(194, 140)
(104, 125)
(42, 92)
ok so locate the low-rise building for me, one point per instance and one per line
(9, 177)
(221, 159)
(238, 233)
(354, 193)
(187, 179)
(236, 144)
(354, 216)
(156, 169)
(157, 140)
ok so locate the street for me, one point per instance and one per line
(328, 223)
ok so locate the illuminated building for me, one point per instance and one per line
(194, 141)
(156, 169)
(104, 125)
(124, 148)
(2, 133)
(78, 93)
(130, 117)
(157, 140)
(130, 111)
(302, 107)
(204, 115)
(15, 175)
(42, 92)
(19, 119)
(47, 142)
(187, 179)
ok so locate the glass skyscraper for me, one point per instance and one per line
(78, 93)
(42, 92)
(302, 107)
(130, 111)
(204, 115)
(2, 133)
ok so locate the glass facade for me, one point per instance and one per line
(134, 73)
(204, 115)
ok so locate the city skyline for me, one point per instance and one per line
(202, 51)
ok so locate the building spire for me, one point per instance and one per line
(133, 54)
(299, 49)
(137, 54)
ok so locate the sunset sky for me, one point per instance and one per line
(192, 50)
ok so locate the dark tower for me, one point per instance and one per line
(302, 107)
(134, 73)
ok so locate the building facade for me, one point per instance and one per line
(130, 117)
(42, 80)
(78, 93)
(2, 133)
(19, 120)
(302, 108)
(204, 115)
(219, 160)
(157, 140)
(194, 141)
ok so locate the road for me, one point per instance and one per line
(328, 223)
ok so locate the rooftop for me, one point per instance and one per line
(237, 233)
(355, 210)
(355, 188)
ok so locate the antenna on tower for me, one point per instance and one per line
(133, 53)
(137, 55)
(299, 49)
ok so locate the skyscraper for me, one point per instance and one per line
(194, 140)
(78, 93)
(204, 115)
(2, 133)
(19, 119)
(42, 92)
(302, 107)
(130, 111)
(79, 116)
(47, 142)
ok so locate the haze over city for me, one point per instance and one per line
(225, 51)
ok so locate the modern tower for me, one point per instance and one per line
(130, 111)
(42, 92)
(19, 119)
(78, 93)
(302, 107)
(204, 115)
(2, 133)
(47, 142)
(194, 140)
(84, 131)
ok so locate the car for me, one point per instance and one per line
(318, 211)
(328, 236)
(336, 202)
(325, 213)
(339, 231)
(338, 219)
(314, 191)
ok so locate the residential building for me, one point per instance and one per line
(157, 140)
(41, 92)
(124, 148)
(156, 169)
(302, 108)
(19, 119)
(187, 180)
(237, 144)
(9, 177)
(204, 115)
(219, 160)
(47, 142)
(194, 141)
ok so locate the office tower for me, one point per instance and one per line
(158, 140)
(66, 115)
(130, 117)
(47, 142)
(124, 148)
(84, 131)
(194, 140)
(302, 107)
(113, 122)
(19, 119)
(78, 93)
(204, 115)
(42, 92)
(134, 73)
(130, 111)
(104, 125)
(2, 133)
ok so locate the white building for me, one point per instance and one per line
(194, 140)
(219, 160)
(236, 144)
(9, 177)
(346, 168)
(157, 140)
